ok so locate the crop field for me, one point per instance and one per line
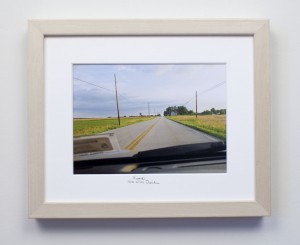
(212, 124)
(92, 126)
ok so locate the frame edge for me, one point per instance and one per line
(38, 30)
(36, 124)
(262, 117)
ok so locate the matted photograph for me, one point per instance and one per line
(149, 118)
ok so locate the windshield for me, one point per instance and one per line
(135, 112)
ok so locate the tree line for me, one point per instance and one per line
(182, 110)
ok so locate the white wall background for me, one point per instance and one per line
(281, 228)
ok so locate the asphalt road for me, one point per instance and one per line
(158, 133)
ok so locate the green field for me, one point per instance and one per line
(91, 126)
(212, 124)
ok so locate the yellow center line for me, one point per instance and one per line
(138, 139)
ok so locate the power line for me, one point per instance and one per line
(213, 87)
(188, 101)
(203, 92)
(110, 90)
(92, 84)
(207, 90)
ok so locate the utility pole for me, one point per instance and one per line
(196, 105)
(148, 109)
(117, 100)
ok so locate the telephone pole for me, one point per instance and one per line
(196, 105)
(117, 100)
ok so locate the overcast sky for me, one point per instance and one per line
(159, 85)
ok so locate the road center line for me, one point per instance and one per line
(138, 139)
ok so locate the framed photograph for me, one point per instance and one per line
(156, 125)
(149, 118)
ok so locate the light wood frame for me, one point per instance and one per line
(39, 29)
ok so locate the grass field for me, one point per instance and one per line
(85, 127)
(212, 124)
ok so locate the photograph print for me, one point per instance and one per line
(149, 118)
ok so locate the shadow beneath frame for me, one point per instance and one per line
(205, 224)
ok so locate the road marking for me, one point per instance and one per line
(138, 139)
(129, 168)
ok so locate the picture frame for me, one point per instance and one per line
(40, 207)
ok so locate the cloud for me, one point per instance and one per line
(159, 85)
